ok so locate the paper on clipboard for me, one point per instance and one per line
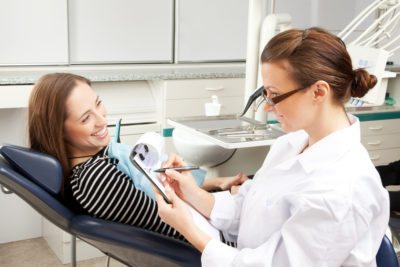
(139, 163)
(148, 155)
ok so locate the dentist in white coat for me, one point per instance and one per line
(317, 200)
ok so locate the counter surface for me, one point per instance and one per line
(112, 73)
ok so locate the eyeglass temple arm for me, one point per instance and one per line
(257, 93)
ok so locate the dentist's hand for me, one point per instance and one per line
(185, 186)
(177, 215)
(182, 183)
(174, 161)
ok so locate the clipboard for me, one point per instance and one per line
(137, 162)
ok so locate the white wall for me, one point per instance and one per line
(18, 220)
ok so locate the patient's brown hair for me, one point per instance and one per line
(47, 114)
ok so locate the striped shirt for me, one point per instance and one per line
(103, 191)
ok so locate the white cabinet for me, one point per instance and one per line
(381, 139)
(33, 32)
(135, 102)
(129, 134)
(120, 31)
(185, 98)
(14, 96)
(210, 30)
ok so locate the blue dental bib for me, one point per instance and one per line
(121, 152)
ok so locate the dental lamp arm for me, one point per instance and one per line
(352, 26)
(253, 97)
(383, 28)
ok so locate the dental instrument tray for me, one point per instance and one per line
(229, 131)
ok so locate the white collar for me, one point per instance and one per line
(325, 150)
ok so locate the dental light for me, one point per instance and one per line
(372, 48)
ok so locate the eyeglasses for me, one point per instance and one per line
(275, 100)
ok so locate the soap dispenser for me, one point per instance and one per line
(213, 108)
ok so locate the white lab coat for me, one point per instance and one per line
(324, 207)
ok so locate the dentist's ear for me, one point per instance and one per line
(321, 90)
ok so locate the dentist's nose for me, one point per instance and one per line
(267, 107)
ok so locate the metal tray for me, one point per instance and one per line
(230, 128)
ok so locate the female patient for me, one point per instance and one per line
(317, 200)
(68, 121)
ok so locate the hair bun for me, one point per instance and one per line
(362, 82)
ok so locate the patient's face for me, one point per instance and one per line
(85, 126)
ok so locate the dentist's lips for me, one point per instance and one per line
(102, 133)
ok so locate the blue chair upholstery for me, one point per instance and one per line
(386, 256)
(37, 179)
(41, 198)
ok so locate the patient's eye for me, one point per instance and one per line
(86, 118)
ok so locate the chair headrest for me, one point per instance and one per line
(41, 168)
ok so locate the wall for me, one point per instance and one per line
(26, 223)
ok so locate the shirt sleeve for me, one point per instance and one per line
(320, 232)
(107, 193)
(225, 214)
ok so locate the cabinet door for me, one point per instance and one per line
(120, 31)
(33, 32)
(211, 30)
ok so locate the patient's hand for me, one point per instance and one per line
(235, 189)
(224, 183)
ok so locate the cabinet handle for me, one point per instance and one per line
(376, 143)
(375, 158)
(215, 88)
(376, 128)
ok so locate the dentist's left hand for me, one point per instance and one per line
(177, 215)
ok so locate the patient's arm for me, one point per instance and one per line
(224, 183)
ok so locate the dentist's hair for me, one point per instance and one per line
(315, 54)
(47, 112)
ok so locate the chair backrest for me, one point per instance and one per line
(386, 256)
(37, 179)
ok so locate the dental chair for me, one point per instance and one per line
(37, 179)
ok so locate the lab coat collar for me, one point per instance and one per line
(325, 150)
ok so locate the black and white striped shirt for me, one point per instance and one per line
(103, 191)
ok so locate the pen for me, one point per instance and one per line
(182, 168)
